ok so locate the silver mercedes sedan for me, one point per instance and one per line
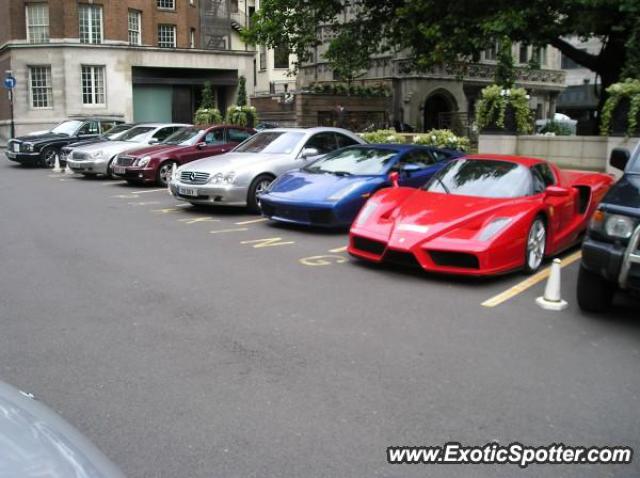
(238, 177)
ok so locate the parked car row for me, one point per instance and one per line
(417, 206)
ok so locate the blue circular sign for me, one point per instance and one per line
(9, 82)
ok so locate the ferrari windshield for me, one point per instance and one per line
(67, 127)
(135, 134)
(358, 161)
(184, 137)
(271, 142)
(482, 178)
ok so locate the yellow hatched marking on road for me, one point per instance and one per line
(267, 242)
(143, 203)
(252, 221)
(528, 283)
(322, 260)
(236, 229)
(165, 210)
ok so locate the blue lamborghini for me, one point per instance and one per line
(330, 191)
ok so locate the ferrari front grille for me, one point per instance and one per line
(401, 258)
(461, 260)
(369, 245)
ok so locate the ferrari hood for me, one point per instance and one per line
(426, 215)
(311, 187)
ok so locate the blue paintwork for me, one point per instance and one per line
(295, 193)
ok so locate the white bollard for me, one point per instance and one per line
(56, 165)
(552, 299)
(68, 170)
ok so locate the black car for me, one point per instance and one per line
(611, 250)
(112, 134)
(41, 149)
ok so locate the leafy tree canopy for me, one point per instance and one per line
(437, 31)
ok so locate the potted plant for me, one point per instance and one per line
(504, 110)
(207, 114)
(621, 111)
(240, 114)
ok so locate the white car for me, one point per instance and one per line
(98, 158)
(237, 178)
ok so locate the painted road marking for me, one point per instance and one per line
(323, 260)
(339, 249)
(165, 210)
(126, 196)
(267, 242)
(253, 221)
(148, 191)
(194, 220)
(237, 229)
(528, 283)
(143, 203)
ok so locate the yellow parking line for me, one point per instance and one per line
(237, 229)
(253, 221)
(530, 282)
(339, 249)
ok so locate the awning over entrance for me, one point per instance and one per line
(183, 76)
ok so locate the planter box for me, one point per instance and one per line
(509, 124)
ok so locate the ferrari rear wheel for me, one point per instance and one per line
(536, 246)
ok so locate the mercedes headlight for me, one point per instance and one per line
(616, 226)
(223, 178)
(493, 228)
(143, 161)
(97, 154)
(343, 192)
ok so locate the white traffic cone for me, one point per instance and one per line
(173, 173)
(552, 299)
(56, 165)
(68, 170)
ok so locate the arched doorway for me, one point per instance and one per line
(437, 105)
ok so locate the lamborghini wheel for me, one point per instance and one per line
(536, 246)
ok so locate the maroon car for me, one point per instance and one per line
(153, 164)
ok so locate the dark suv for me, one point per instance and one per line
(41, 149)
(611, 250)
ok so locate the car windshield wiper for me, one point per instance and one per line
(341, 173)
(444, 186)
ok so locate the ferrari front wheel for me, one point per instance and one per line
(536, 246)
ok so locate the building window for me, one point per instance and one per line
(192, 38)
(491, 53)
(40, 81)
(263, 57)
(523, 56)
(37, 22)
(166, 4)
(167, 36)
(233, 6)
(90, 23)
(93, 85)
(134, 27)
(281, 57)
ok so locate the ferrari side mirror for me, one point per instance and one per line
(393, 177)
(556, 192)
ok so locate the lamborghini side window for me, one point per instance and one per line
(422, 159)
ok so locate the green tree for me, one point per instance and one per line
(208, 100)
(505, 71)
(242, 91)
(435, 32)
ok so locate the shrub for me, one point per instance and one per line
(442, 138)
(626, 90)
(557, 128)
(492, 107)
(207, 116)
(382, 136)
(245, 116)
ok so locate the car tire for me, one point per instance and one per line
(163, 175)
(110, 174)
(258, 185)
(536, 246)
(594, 292)
(49, 157)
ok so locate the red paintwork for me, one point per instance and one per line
(454, 222)
(161, 153)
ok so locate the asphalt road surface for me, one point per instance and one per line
(193, 343)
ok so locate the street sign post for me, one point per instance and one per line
(10, 84)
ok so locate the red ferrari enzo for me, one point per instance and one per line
(479, 215)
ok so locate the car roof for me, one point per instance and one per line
(401, 147)
(523, 160)
(314, 129)
(158, 125)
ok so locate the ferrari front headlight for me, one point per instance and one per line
(143, 161)
(493, 228)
